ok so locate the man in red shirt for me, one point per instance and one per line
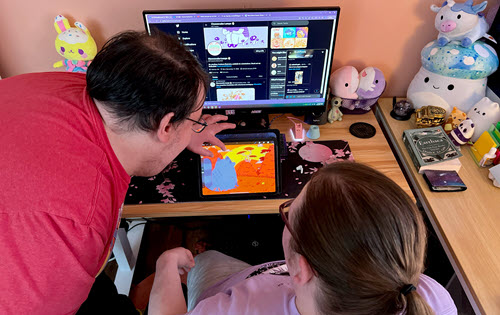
(70, 143)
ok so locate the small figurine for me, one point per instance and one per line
(335, 114)
(460, 21)
(429, 116)
(75, 44)
(456, 117)
(462, 133)
(402, 110)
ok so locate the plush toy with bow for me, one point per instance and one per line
(75, 44)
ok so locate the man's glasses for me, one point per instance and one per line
(200, 125)
(284, 217)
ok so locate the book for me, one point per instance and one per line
(431, 149)
(444, 180)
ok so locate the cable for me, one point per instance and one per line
(142, 223)
(293, 118)
(276, 117)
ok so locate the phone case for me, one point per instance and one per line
(444, 180)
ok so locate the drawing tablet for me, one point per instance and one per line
(250, 167)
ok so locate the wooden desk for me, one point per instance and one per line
(467, 223)
(374, 152)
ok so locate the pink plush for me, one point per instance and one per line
(344, 82)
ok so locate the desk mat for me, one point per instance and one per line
(178, 182)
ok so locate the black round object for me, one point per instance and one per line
(397, 117)
(362, 130)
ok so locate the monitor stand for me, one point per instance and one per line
(250, 121)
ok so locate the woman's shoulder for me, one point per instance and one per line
(436, 296)
(262, 294)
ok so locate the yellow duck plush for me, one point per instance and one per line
(75, 44)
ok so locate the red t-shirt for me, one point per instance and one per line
(61, 193)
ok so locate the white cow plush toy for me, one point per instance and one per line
(460, 21)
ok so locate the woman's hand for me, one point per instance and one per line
(179, 257)
(208, 135)
(166, 296)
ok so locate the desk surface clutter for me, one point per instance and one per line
(468, 222)
(374, 151)
(179, 182)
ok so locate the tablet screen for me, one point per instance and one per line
(246, 167)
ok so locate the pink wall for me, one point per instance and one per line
(388, 34)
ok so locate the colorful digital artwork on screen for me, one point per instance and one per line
(243, 168)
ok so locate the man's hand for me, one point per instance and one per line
(208, 135)
(179, 257)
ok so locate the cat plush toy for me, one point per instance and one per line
(75, 44)
(455, 118)
(483, 114)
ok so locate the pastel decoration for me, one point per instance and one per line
(475, 62)
(462, 133)
(456, 117)
(314, 152)
(484, 113)
(452, 76)
(335, 114)
(460, 22)
(371, 83)
(344, 82)
(75, 44)
(313, 132)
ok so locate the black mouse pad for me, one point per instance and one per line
(178, 182)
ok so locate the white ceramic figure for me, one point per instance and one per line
(483, 114)
(452, 75)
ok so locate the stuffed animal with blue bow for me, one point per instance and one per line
(462, 22)
(75, 44)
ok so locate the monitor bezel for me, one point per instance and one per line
(263, 110)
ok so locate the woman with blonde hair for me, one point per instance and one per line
(354, 243)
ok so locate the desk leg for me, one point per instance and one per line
(126, 250)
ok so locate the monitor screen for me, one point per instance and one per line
(275, 60)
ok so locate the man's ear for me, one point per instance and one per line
(304, 273)
(165, 130)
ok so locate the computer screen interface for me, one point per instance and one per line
(267, 60)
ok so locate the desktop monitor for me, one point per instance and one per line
(260, 61)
